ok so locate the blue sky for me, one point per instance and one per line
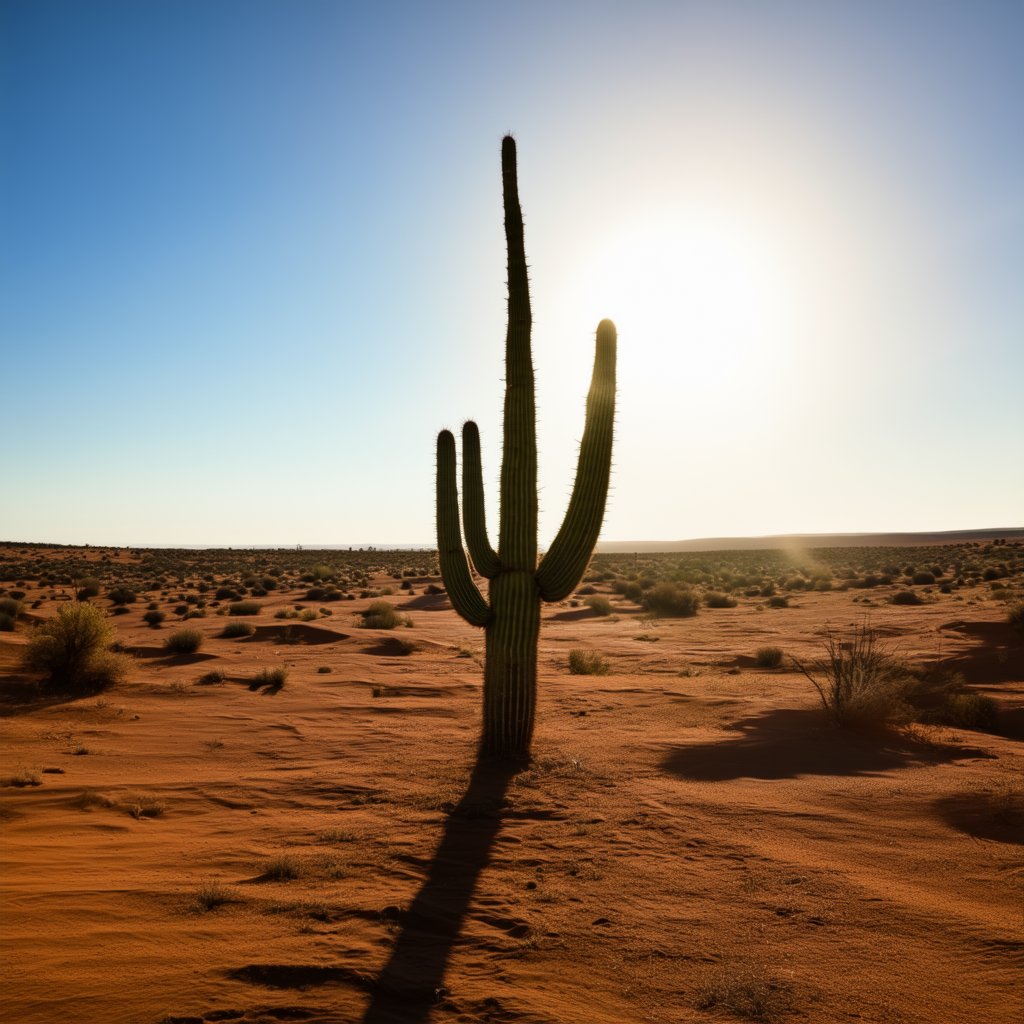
(252, 261)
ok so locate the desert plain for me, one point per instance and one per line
(695, 840)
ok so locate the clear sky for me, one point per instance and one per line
(251, 261)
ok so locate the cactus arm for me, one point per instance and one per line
(485, 559)
(517, 533)
(566, 560)
(465, 596)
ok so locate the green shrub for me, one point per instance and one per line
(244, 608)
(671, 601)
(236, 629)
(599, 605)
(73, 648)
(154, 618)
(121, 595)
(381, 615)
(184, 641)
(716, 599)
(587, 663)
(768, 657)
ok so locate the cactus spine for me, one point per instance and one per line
(510, 616)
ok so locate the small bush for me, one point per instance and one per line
(244, 608)
(906, 597)
(599, 605)
(922, 579)
(234, 630)
(121, 595)
(154, 619)
(73, 648)
(184, 641)
(716, 599)
(210, 678)
(778, 601)
(587, 663)
(768, 657)
(671, 601)
(943, 698)
(1015, 615)
(381, 615)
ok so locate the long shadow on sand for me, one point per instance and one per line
(410, 984)
(788, 743)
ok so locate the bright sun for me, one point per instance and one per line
(699, 300)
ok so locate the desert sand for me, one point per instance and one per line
(693, 830)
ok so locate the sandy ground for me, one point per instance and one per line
(693, 832)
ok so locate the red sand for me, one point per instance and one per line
(679, 834)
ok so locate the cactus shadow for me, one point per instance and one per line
(788, 743)
(410, 986)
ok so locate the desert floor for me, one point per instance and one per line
(694, 841)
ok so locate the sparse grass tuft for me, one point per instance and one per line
(22, 779)
(233, 630)
(282, 869)
(587, 663)
(184, 641)
(211, 895)
(746, 991)
(768, 657)
(140, 807)
(212, 678)
(275, 677)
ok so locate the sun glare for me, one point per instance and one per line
(701, 300)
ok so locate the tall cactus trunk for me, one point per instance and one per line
(511, 616)
(510, 666)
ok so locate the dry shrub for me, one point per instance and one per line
(859, 681)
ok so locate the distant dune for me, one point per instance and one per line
(814, 540)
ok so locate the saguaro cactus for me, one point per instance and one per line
(510, 616)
